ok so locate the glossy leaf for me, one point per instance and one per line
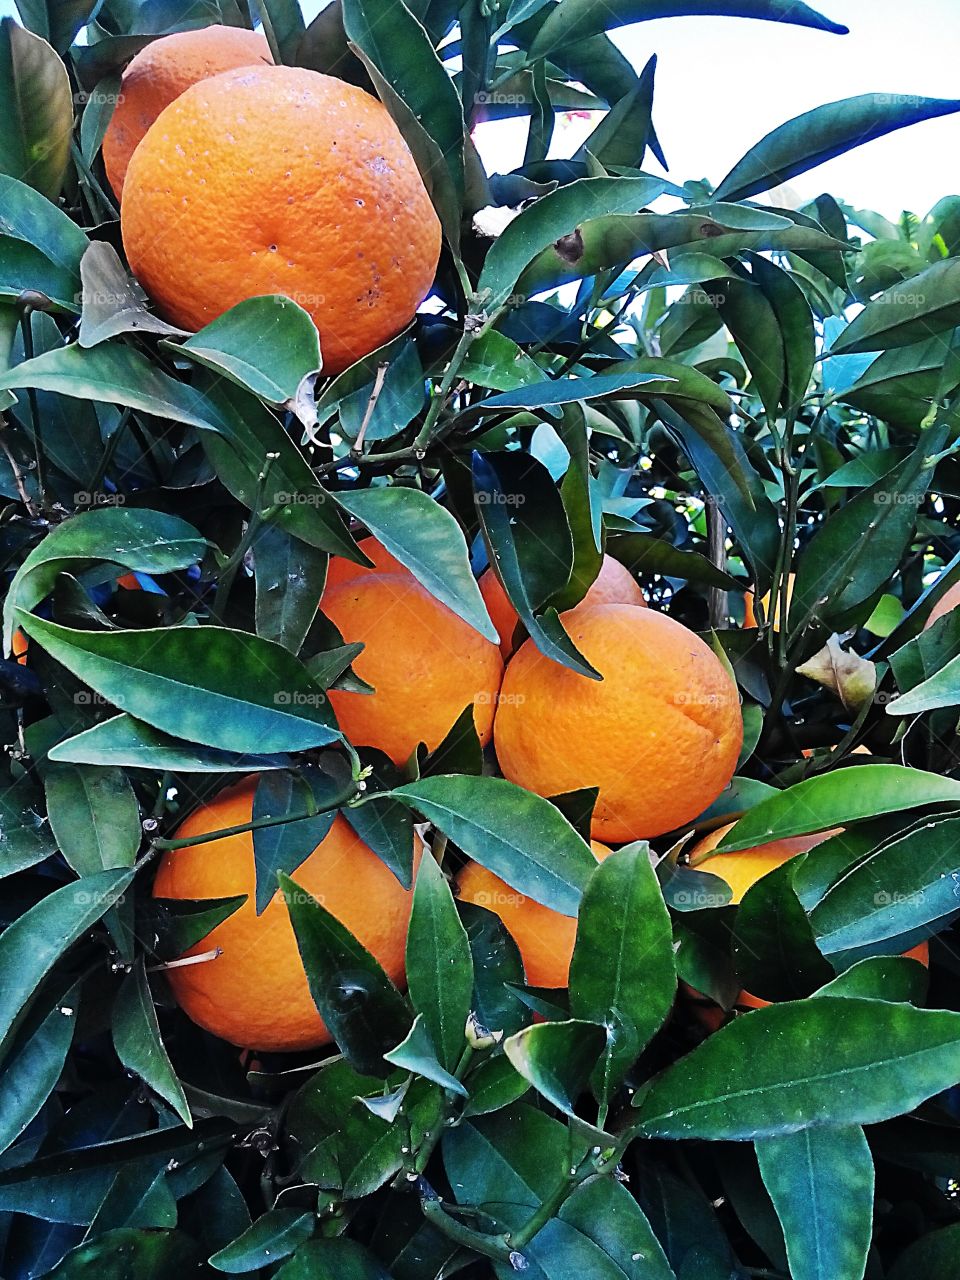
(819, 135)
(622, 974)
(268, 345)
(829, 1061)
(284, 27)
(439, 963)
(289, 576)
(34, 942)
(95, 817)
(418, 1054)
(821, 1182)
(36, 100)
(517, 835)
(221, 688)
(25, 838)
(127, 743)
(35, 1063)
(427, 539)
(274, 1236)
(136, 1037)
(881, 978)
(776, 955)
(286, 846)
(557, 1058)
(362, 1008)
(908, 312)
(834, 799)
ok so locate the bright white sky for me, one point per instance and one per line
(723, 83)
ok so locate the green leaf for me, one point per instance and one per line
(560, 391)
(574, 20)
(289, 576)
(25, 837)
(648, 554)
(513, 833)
(417, 1053)
(439, 963)
(604, 1212)
(127, 743)
(287, 845)
(622, 136)
(816, 136)
(935, 1254)
(881, 978)
(136, 1038)
(496, 361)
(622, 974)
(97, 113)
(187, 681)
(34, 942)
(268, 345)
(284, 27)
(113, 302)
(829, 1061)
(942, 689)
(897, 888)
(341, 1259)
(95, 817)
(127, 1251)
(387, 827)
(837, 798)
(908, 312)
(138, 540)
(496, 963)
(30, 218)
(35, 1063)
(399, 47)
(552, 217)
(505, 483)
(557, 1058)
(429, 542)
(821, 1183)
(36, 101)
(361, 1007)
(112, 372)
(274, 1236)
(401, 397)
(856, 551)
(773, 942)
(493, 1085)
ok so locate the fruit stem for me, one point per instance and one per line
(208, 836)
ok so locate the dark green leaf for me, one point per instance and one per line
(136, 1037)
(36, 101)
(34, 942)
(35, 1063)
(418, 1054)
(284, 28)
(128, 1251)
(285, 846)
(439, 963)
(332, 1260)
(821, 1182)
(881, 978)
(25, 837)
(386, 826)
(130, 744)
(95, 817)
(268, 345)
(496, 962)
(935, 1254)
(622, 974)
(361, 1007)
(646, 553)
(289, 578)
(517, 835)
(272, 1237)
(810, 139)
(185, 680)
(557, 1058)
(836, 798)
(427, 539)
(494, 1084)
(829, 1061)
(908, 312)
(773, 943)
(113, 302)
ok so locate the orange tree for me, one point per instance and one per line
(297, 978)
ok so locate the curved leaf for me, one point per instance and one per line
(36, 103)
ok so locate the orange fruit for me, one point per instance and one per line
(254, 993)
(750, 617)
(614, 584)
(426, 665)
(947, 602)
(159, 74)
(659, 735)
(340, 570)
(280, 180)
(741, 870)
(545, 937)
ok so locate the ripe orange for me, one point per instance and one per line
(614, 584)
(340, 570)
(750, 617)
(947, 602)
(160, 73)
(426, 665)
(255, 993)
(268, 180)
(741, 870)
(545, 937)
(659, 735)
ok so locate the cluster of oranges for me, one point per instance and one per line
(659, 737)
